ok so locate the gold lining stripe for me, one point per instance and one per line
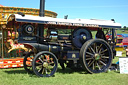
(49, 48)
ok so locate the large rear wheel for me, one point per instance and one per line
(96, 56)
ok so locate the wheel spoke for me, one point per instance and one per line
(99, 51)
(40, 70)
(41, 60)
(89, 58)
(98, 66)
(93, 66)
(96, 49)
(46, 71)
(102, 62)
(105, 57)
(90, 53)
(89, 49)
(49, 69)
(103, 51)
(39, 66)
(102, 54)
(91, 63)
(94, 46)
(92, 50)
(95, 63)
(100, 46)
(43, 71)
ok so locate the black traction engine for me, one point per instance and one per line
(74, 50)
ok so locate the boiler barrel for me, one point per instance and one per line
(51, 48)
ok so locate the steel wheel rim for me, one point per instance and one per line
(45, 65)
(97, 57)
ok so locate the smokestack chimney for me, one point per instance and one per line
(41, 26)
(42, 8)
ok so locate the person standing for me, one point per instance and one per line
(127, 51)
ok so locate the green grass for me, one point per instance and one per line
(18, 76)
(121, 32)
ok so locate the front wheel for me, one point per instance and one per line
(45, 64)
(96, 56)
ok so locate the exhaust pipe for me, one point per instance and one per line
(42, 8)
(41, 26)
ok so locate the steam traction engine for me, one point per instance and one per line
(65, 41)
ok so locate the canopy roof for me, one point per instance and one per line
(67, 22)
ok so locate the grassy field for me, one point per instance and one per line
(18, 76)
(122, 32)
